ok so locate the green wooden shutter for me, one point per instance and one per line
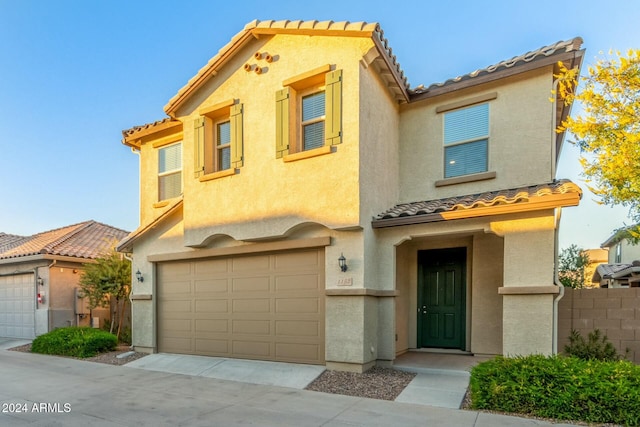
(198, 153)
(333, 108)
(282, 122)
(235, 116)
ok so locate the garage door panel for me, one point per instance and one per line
(251, 305)
(212, 267)
(251, 284)
(297, 282)
(267, 307)
(297, 305)
(178, 325)
(254, 264)
(251, 348)
(298, 352)
(297, 328)
(252, 327)
(212, 306)
(177, 287)
(207, 326)
(177, 344)
(176, 306)
(211, 286)
(174, 270)
(212, 346)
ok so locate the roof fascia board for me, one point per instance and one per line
(534, 204)
(394, 72)
(497, 75)
(210, 71)
(41, 257)
(134, 139)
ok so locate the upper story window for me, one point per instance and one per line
(223, 145)
(309, 114)
(618, 258)
(218, 139)
(312, 123)
(169, 171)
(466, 141)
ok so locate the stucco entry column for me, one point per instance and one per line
(528, 290)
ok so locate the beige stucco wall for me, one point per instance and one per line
(520, 147)
(268, 196)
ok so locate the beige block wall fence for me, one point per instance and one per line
(615, 312)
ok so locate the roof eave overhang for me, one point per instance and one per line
(536, 203)
(47, 257)
(135, 140)
(501, 74)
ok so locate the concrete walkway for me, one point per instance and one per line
(39, 390)
(443, 387)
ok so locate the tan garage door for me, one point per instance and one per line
(267, 307)
(17, 306)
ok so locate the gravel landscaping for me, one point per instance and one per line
(376, 383)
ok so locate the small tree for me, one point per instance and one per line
(608, 129)
(109, 277)
(571, 264)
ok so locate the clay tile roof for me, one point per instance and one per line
(437, 210)
(313, 27)
(544, 52)
(167, 121)
(84, 240)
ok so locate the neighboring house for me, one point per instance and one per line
(622, 249)
(623, 267)
(302, 203)
(596, 257)
(39, 277)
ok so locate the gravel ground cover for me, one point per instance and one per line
(376, 383)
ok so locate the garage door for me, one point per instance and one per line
(267, 307)
(17, 306)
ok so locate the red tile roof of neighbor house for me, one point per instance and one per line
(84, 240)
(543, 196)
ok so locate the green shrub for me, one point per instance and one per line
(559, 387)
(595, 347)
(74, 341)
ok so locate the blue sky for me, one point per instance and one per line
(75, 73)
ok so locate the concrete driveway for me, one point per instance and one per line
(38, 390)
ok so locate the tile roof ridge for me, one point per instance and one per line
(272, 26)
(49, 247)
(558, 47)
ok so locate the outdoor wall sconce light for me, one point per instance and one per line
(139, 276)
(342, 262)
(40, 281)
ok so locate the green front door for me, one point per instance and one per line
(441, 298)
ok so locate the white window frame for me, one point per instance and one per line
(171, 171)
(478, 138)
(218, 148)
(300, 99)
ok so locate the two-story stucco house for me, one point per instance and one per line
(302, 203)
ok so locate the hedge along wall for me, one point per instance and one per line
(615, 312)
